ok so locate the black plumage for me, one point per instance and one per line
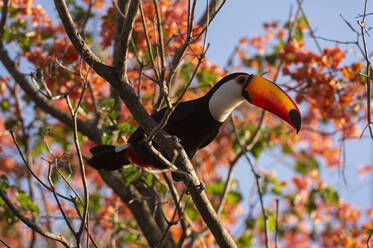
(191, 122)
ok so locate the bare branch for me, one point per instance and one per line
(67, 221)
(141, 210)
(77, 147)
(40, 101)
(369, 237)
(4, 243)
(29, 168)
(165, 141)
(125, 37)
(368, 69)
(258, 186)
(148, 43)
(78, 42)
(56, 237)
(276, 226)
(4, 13)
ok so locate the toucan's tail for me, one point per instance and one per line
(107, 157)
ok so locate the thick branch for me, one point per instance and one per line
(125, 36)
(139, 208)
(209, 12)
(164, 140)
(78, 42)
(40, 101)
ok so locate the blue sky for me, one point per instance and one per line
(241, 18)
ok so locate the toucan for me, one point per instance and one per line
(196, 123)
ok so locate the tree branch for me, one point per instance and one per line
(40, 101)
(125, 37)
(78, 42)
(139, 208)
(165, 141)
(56, 237)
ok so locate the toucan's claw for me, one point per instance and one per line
(176, 139)
(200, 188)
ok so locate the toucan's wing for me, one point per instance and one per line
(209, 140)
(182, 112)
(139, 133)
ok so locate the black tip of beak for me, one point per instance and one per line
(295, 119)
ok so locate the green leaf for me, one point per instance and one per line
(233, 197)
(304, 167)
(106, 139)
(129, 174)
(257, 149)
(126, 127)
(271, 59)
(10, 123)
(311, 205)
(148, 178)
(6, 34)
(250, 223)
(4, 183)
(107, 103)
(301, 167)
(129, 238)
(287, 149)
(186, 70)
(329, 194)
(312, 163)
(13, 12)
(246, 240)
(215, 189)
(4, 104)
(298, 34)
(38, 148)
(94, 202)
(271, 222)
(277, 187)
(161, 187)
(10, 218)
(191, 212)
(205, 77)
(26, 202)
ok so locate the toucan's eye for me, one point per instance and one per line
(241, 80)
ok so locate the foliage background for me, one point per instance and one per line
(350, 211)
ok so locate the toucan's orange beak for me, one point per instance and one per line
(267, 95)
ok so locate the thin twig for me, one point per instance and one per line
(4, 13)
(148, 43)
(258, 186)
(276, 227)
(369, 237)
(67, 221)
(169, 111)
(29, 168)
(56, 237)
(368, 69)
(4, 243)
(172, 222)
(77, 147)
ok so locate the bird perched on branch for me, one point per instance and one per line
(196, 123)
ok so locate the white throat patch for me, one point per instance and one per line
(225, 99)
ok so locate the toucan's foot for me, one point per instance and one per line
(176, 139)
(200, 188)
